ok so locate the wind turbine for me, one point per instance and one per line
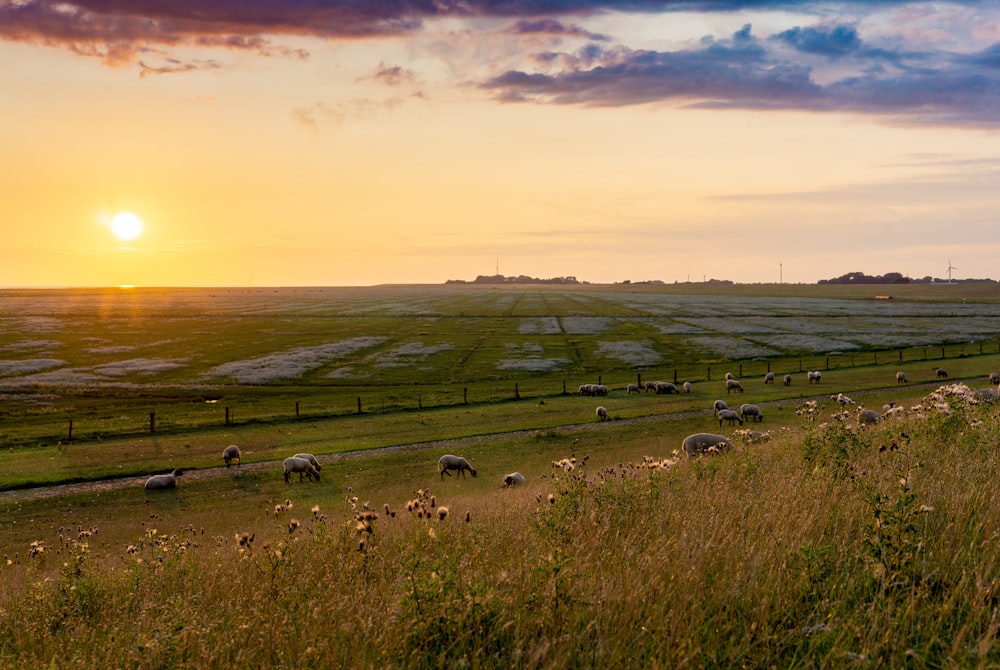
(950, 268)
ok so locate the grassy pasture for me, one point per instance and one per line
(742, 560)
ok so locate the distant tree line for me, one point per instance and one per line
(520, 279)
(892, 278)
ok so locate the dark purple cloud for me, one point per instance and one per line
(834, 41)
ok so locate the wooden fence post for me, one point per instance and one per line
(465, 394)
(152, 422)
(227, 416)
(517, 393)
(359, 404)
(71, 429)
(420, 404)
(296, 409)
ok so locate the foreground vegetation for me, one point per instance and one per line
(830, 545)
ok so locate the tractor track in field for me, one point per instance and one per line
(450, 444)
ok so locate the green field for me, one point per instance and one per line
(605, 573)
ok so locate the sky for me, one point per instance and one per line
(345, 143)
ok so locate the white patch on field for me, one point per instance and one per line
(545, 325)
(111, 349)
(396, 358)
(587, 325)
(731, 347)
(140, 366)
(37, 324)
(292, 363)
(29, 345)
(345, 372)
(65, 377)
(633, 353)
(30, 366)
(528, 358)
(679, 328)
(813, 343)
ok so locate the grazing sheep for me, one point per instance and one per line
(687, 387)
(514, 479)
(901, 377)
(312, 460)
(600, 389)
(719, 404)
(587, 389)
(665, 388)
(868, 417)
(650, 386)
(705, 443)
(160, 482)
(300, 465)
(814, 377)
(769, 378)
(749, 411)
(941, 373)
(733, 385)
(787, 380)
(449, 462)
(632, 388)
(995, 378)
(602, 413)
(728, 415)
(230, 454)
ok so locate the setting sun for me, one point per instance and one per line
(126, 226)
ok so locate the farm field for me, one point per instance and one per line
(491, 374)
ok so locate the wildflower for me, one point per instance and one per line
(315, 510)
(552, 498)
(442, 513)
(292, 525)
(926, 508)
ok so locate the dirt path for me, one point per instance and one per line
(454, 444)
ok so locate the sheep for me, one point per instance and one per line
(941, 373)
(449, 462)
(602, 413)
(687, 387)
(312, 460)
(665, 388)
(514, 479)
(160, 482)
(728, 415)
(769, 378)
(650, 386)
(230, 454)
(733, 385)
(301, 466)
(719, 404)
(600, 389)
(587, 389)
(729, 375)
(749, 411)
(995, 378)
(901, 377)
(868, 416)
(787, 380)
(814, 377)
(632, 388)
(705, 443)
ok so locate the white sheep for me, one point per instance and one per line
(733, 385)
(602, 413)
(230, 454)
(749, 411)
(719, 404)
(941, 373)
(160, 482)
(633, 388)
(449, 462)
(901, 377)
(514, 479)
(705, 443)
(650, 386)
(868, 416)
(995, 378)
(728, 415)
(300, 465)
(787, 380)
(687, 387)
(729, 375)
(311, 459)
(665, 388)
(814, 377)
(769, 378)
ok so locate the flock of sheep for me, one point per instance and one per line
(307, 466)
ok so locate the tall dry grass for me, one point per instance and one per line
(872, 547)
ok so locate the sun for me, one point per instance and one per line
(126, 226)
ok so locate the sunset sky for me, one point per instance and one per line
(336, 142)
